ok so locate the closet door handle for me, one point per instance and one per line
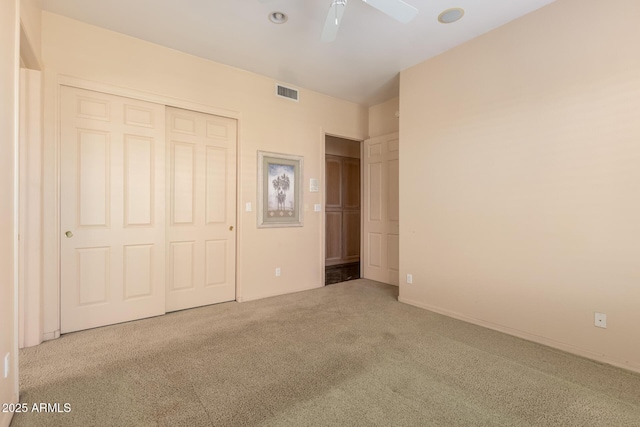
(68, 234)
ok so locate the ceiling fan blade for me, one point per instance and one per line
(396, 9)
(332, 23)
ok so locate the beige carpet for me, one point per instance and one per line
(347, 354)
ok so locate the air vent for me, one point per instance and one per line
(287, 92)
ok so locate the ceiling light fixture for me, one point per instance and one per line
(451, 15)
(278, 17)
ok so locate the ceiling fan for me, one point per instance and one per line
(396, 9)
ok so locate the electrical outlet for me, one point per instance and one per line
(247, 207)
(277, 271)
(409, 278)
(6, 365)
(317, 207)
(601, 320)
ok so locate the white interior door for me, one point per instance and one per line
(381, 209)
(112, 211)
(202, 209)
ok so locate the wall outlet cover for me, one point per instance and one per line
(600, 320)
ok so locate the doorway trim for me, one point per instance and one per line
(51, 202)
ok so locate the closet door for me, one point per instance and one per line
(202, 209)
(112, 209)
(342, 210)
(333, 211)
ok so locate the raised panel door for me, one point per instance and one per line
(112, 214)
(381, 215)
(202, 209)
(342, 225)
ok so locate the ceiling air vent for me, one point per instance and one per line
(287, 92)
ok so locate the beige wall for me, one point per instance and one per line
(30, 249)
(9, 63)
(265, 123)
(382, 118)
(519, 179)
(30, 18)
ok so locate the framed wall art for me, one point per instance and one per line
(279, 190)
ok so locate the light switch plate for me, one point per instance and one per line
(313, 185)
(317, 207)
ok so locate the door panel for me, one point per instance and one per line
(181, 266)
(216, 187)
(351, 186)
(112, 196)
(182, 183)
(138, 268)
(94, 155)
(202, 209)
(351, 241)
(138, 181)
(333, 175)
(333, 227)
(381, 222)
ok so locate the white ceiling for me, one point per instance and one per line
(361, 66)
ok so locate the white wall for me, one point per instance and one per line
(266, 123)
(519, 179)
(9, 52)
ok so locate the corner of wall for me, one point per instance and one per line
(9, 78)
(31, 33)
(383, 119)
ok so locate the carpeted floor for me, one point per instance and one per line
(346, 354)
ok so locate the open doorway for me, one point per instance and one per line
(342, 209)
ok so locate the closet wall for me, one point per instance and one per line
(265, 122)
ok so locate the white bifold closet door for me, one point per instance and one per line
(201, 235)
(112, 207)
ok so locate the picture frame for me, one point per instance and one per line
(280, 190)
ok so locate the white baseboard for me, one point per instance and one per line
(275, 294)
(5, 418)
(602, 358)
(51, 336)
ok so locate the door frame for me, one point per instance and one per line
(30, 209)
(51, 202)
(323, 225)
